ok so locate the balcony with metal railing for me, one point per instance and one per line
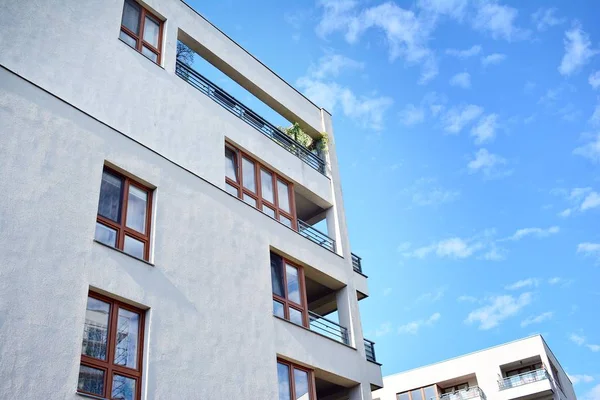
(523, 379)
(328, 328)
(370, 350)
(356, 263)
(472, 392)
(316, 236)
(237, 108)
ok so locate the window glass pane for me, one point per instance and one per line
(137, 205)
(232, 189)
(126, 348)
(131, 16)
(416, 394)
(151, 31)
(296, 316)
(109, 205)
(278, 309)
(128, 39)
(269, 211)
(283, 196)
(95, 329)
(403, 396)
(266, 182)
(277, 275)
(250, 200)
(283, 376)
(301, 384)
(105, 235)
(134, 247)
(430, 393)
(123, 388)
(285, 220)
(231, 164)
(293, 288)
(248, 174)
(150, 54)
(91, 380)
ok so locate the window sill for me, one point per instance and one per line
(143, 56)
(122, 252)
(316, 333)
(90, 396)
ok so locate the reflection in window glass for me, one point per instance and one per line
(430, 393)
(296, 316)
(278, 309)
(286, 221)
(133, 247)
(95, 329)
(248, 174)
(128, 39)
(149, 54)
(283, 196)
(269, 211)
(109, 205)
(128, 325)
(230, 165)
(403, 396)
(137, 204)
(283, 376)
(250, 200)
(123, 388)
(416, 395)
(293, 286)
(151, 31)
(91, 380)
(231, 189)
(266, 181)
(131, 16)
(301, 384)
(105, 235)
(277, 275)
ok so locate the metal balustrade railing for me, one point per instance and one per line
(471, 392)
(236, 107)
(316, 236)
(370, 350)
(356, 263)
(328, 328)
(523, 379)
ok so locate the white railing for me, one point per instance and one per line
(523, 379)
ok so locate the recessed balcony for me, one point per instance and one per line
(472, 392)
(523, 379)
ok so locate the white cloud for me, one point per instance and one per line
(498, 20)
(593, 394)
(578, 51)
(493, 59)
(525, 283)
(489, 164)
(594, 80)
(455, 119)
(467, 299)
(412, 115)
(577, 339)
(485, 130)
(427, 192)
(537, 232)
(565, 213)
(448, 248)
(590, 150)
(575, 379)
(462, 80)
(497, 310)
(452, 8)
(537, 319)
(595, 118)
(406, 34)
(581, 199)
(431, 297)
(414, 326)
(494, 254)
(331, 65)
(387, 291)
(473, 51)
(545, 18)
(589, 249)
(593, 347)
(554, 281)
(592, 200)
(383, 329)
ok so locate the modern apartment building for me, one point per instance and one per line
(524, 369)
(157, 237)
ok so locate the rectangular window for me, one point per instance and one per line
(295, 382)
(141, 30)
(424, 393)
(289, 299)
(124, 211)
(258, 186)
(111, 351)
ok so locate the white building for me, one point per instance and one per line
(157, 237)
(524, 369)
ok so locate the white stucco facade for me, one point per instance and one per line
(525, 369)
(74, 98)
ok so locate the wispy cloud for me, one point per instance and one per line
(332, 65)
(383, 329)
(589, 249)
(455, 247)
(457, 118)
(412, 115)
(581, 200)
(414, 326)
(545, 18)
(536, 232)
(387, 291)
(578, 50)
(433, 296)
(590, 150)
(467, 299)
(498, 20)
(485, 130)
(525, 283)
(594, 80)
(498, 309)
(493, 59)
(575, 379)
(580, 340)
(491, 165)
(537, 319)
(428, 192)
(470, 52)
(462, 80)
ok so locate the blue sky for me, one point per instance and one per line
(468, 133)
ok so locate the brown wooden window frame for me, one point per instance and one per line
(257, 197)
(139, 38)
(108, 366)
(121, 226)
(311, 379)
(287, 303)
(422, 390)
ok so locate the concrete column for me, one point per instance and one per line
(360, 392)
